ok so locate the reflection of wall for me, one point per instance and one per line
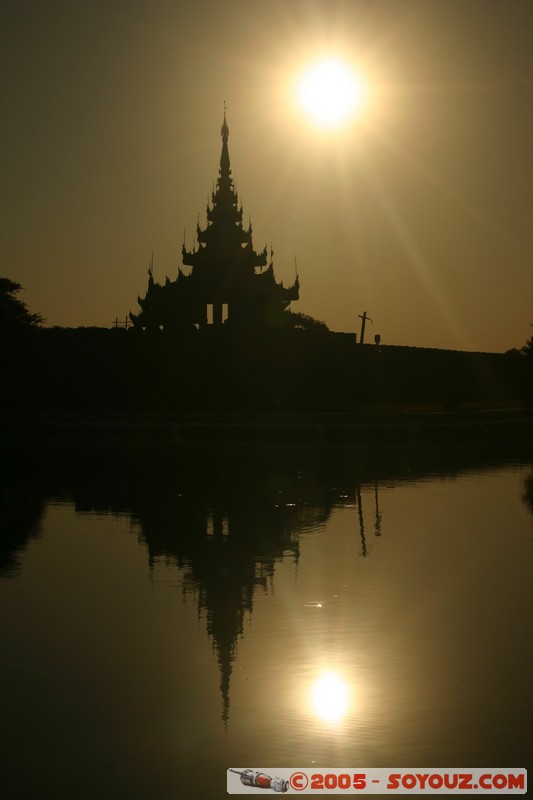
(225, 517)
(528, 492)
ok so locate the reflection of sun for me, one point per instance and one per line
(330, 697)
(329, 92)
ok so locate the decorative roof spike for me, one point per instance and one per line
(225, 168)
(224, 131)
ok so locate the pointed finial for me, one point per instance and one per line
(224, 131)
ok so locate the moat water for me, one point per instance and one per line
(167, 614)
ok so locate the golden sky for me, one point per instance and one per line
(418, 210)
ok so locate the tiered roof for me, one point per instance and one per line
(225, 270)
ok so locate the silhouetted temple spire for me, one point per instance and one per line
(225, 168)
(225, 271)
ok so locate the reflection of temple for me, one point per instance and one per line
(228, 278)
(223, 566)
(226, 533)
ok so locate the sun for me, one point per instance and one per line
(329, 92)
(330, 697)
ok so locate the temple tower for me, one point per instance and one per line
(225, 271)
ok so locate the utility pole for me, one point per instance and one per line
(363, 317)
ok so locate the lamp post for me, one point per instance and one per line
(363, 317)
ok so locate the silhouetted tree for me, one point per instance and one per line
(14, 313)
(523, 361)
(306, 323)
(527, 349)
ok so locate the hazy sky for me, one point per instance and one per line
(419, 212)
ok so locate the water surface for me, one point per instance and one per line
(169, 614)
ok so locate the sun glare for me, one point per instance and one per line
(329, 697)
(329, 92)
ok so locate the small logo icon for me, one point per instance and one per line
(261, 781)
